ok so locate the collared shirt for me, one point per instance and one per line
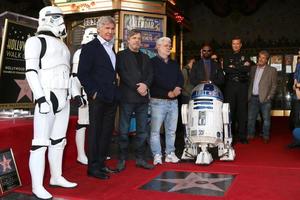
(258, 74)
(108, 46)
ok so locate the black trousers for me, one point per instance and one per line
(236, 94)
(102, 118)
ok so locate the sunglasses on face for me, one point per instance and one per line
(208, 50)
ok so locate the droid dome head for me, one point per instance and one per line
(51, 19)
(207, 90)
(89, 35)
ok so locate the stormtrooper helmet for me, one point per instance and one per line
(51, 19)
(89, 35)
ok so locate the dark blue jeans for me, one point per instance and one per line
(254, 107)
(141, 115)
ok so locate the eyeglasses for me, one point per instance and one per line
(204, 50)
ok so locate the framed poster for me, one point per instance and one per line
(151, 26)
(9, 176)
(276, 61)
(15, 91)
(288, 59)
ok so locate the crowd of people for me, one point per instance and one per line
(103, 80)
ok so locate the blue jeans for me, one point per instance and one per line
(163, 111)
(254, 107)
(141, 115)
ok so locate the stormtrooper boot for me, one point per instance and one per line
(80, 141)
(55, 156)
(37, 168)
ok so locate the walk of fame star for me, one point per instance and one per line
(5, 164)
(191, 183)
(25, 89)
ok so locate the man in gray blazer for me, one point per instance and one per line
(262, 88)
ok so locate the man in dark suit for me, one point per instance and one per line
(96, 72)
(207, 69)
(263, 81)
(135, 71)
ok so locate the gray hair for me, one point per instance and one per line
(163, 39)
(265, 53)
(105, 20)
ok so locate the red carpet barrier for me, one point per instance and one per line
(17, 134)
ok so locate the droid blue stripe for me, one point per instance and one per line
(203, 107)
(203, 103)
(215, 97)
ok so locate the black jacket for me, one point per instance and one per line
(96, 72)
(198, 73)
(131, 73)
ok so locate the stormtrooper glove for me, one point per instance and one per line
(44, 106)
(80, 101)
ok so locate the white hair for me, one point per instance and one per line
(105, 20)
(163, 39)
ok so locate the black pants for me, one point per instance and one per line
(102, 118)
(236, 94)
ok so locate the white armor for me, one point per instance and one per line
(207, 123)
(83, 112)
(51, 19)
(49, 80)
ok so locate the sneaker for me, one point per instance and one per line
(172, 158)
(157, 159)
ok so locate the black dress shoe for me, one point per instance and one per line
(121, 165)
(107, 170)
(98, 174)
(144, 164)
(293, 145)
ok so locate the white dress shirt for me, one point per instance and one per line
(108, 46)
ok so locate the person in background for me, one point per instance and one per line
(97, 74)
(295, 108)
(262, 88)
(187, 86)
(83, 112)
(237, 68)
(165, 88)
(207, 70)
(295, 119)
(135, 71)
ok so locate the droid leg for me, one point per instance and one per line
(204, 157)
(226, 152)
(80, 141)
(190, 151)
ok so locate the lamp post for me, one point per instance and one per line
(179, 19)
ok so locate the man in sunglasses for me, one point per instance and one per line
(207, 70)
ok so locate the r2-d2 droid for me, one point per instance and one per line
(207, 122)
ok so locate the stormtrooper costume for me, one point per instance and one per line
(83, 112)
(48, 75)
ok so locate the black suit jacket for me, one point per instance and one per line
(198, 73)
(131, 74)
(96, 72)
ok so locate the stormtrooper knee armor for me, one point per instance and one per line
(83, 111)
(48, 75)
